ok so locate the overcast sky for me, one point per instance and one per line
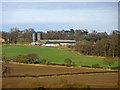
(44, 16)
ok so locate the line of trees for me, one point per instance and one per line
(25, 36)
(107, 47)
(18, 36)
(74, 35)
(33, 58)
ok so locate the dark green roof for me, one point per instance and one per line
(50, 42)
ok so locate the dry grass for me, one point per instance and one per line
(94, 81)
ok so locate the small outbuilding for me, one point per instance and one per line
(2, 40)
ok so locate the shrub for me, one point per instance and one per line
(95, 66)
(109, 62)
(68, 62)
(43, 61)
(86, 66)
(4, 57)
(37, 62)
(30, 58)
(18, 58)
(48, 63)
(73, 64)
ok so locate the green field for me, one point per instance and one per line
(53, 55)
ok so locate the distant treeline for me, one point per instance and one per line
(98, 44)
(20, 36)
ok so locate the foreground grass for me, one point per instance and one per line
(53, 55)
(79, 81)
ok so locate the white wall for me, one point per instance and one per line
(66, 44)
(53, 45)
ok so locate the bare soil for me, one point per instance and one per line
(28, 69)
(101, 80)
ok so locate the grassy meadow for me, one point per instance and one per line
(53, 55)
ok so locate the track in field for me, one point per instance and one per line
(48, 75)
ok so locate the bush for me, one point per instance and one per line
(18, 58)
(73, 64)
(48, 63)
(68, 62)
(43, 61)
(4, 58)
(37, 62)
(29, 58)
(95, 66)
(109, 62)
(86, 66)
(117, 68)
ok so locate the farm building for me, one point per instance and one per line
(59, 42)
(2, 40)
(37, 40)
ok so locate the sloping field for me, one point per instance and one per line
(53, 55)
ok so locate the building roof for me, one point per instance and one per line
(60, 41)
(2, 40)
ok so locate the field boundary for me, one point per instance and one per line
(62, 74)
(62, 66)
